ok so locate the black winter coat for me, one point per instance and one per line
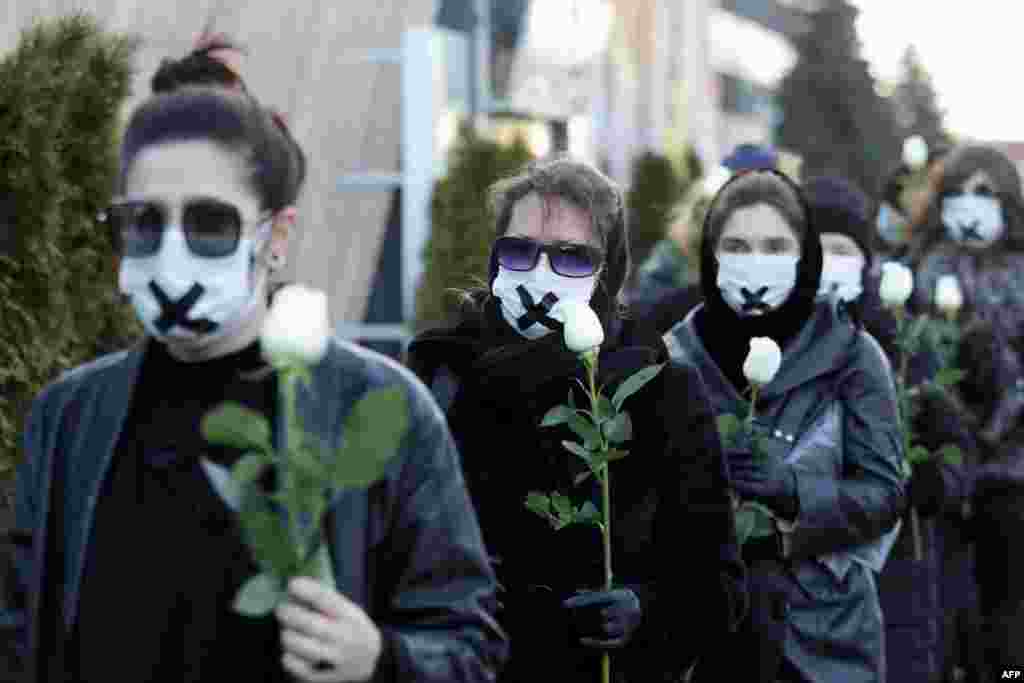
(674, 542)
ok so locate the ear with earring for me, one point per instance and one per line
(274, 260)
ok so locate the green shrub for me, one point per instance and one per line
(654, 191)
(462, 224)
(61, 92)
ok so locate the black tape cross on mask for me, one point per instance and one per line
(537, 312)
(970, 232)
(176, 312)
(754, 301)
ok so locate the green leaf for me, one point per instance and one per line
(319, 564)
(267, 535)
(572, 400)
(760, 509)
(635, 383)
(305, 461)
(249, 467)
(757, 520)
(557, 415)
(236, 426)
(588, 514)
(951, 454)
(917, 328)
(579, 450)
(562, 505)
(539, 503)
(373, 433)
(605, 409)
(948, 377)
(581, 477)
(258, 596)
(744, 524)
(584, 428)
(614, 454)
(619, 429)
(918, 454)
(728, 427)
(305, 375)
(762, 446)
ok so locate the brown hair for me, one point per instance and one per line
(926, 228)
(587, 188)
(750, 189)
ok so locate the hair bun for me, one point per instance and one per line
(214, 61)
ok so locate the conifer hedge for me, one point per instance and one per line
(655, 189)
(61, 93)
(462, 224)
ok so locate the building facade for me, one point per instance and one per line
(616, 77)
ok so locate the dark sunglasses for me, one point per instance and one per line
(981, 189)
(569, 259)
(213, 228)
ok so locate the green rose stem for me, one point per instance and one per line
(754, 390)
(590, 360)
(289, 378)
(904, 408)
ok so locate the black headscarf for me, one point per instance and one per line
(725, 334)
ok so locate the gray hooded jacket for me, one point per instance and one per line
(831, 411)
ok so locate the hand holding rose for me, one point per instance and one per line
(320, 626)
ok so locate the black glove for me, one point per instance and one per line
(766, 481)
(603, 619)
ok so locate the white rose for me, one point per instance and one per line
(897, 284)
(582, 328)
(296, 327)
(948, 297)
(915, 152)
(763, 361)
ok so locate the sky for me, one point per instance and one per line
(970, 48)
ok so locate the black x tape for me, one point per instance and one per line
(970, 232)
(755, 301)
(176, 312)
(537, 312)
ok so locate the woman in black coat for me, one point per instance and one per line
(678, 578)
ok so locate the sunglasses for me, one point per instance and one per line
(981, 189)
(212, 228)
(569, 259)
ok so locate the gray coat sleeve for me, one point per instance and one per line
(869, 496)
(439, 617)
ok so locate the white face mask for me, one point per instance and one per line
(753, 284)
(180, 296)
(973, 220)
(841, 275)
(527, 297)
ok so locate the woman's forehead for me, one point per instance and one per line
(760, 221)
(839, 242)
(551, 219)
(175, 171)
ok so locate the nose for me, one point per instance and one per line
(543, 260)
(169, 261)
